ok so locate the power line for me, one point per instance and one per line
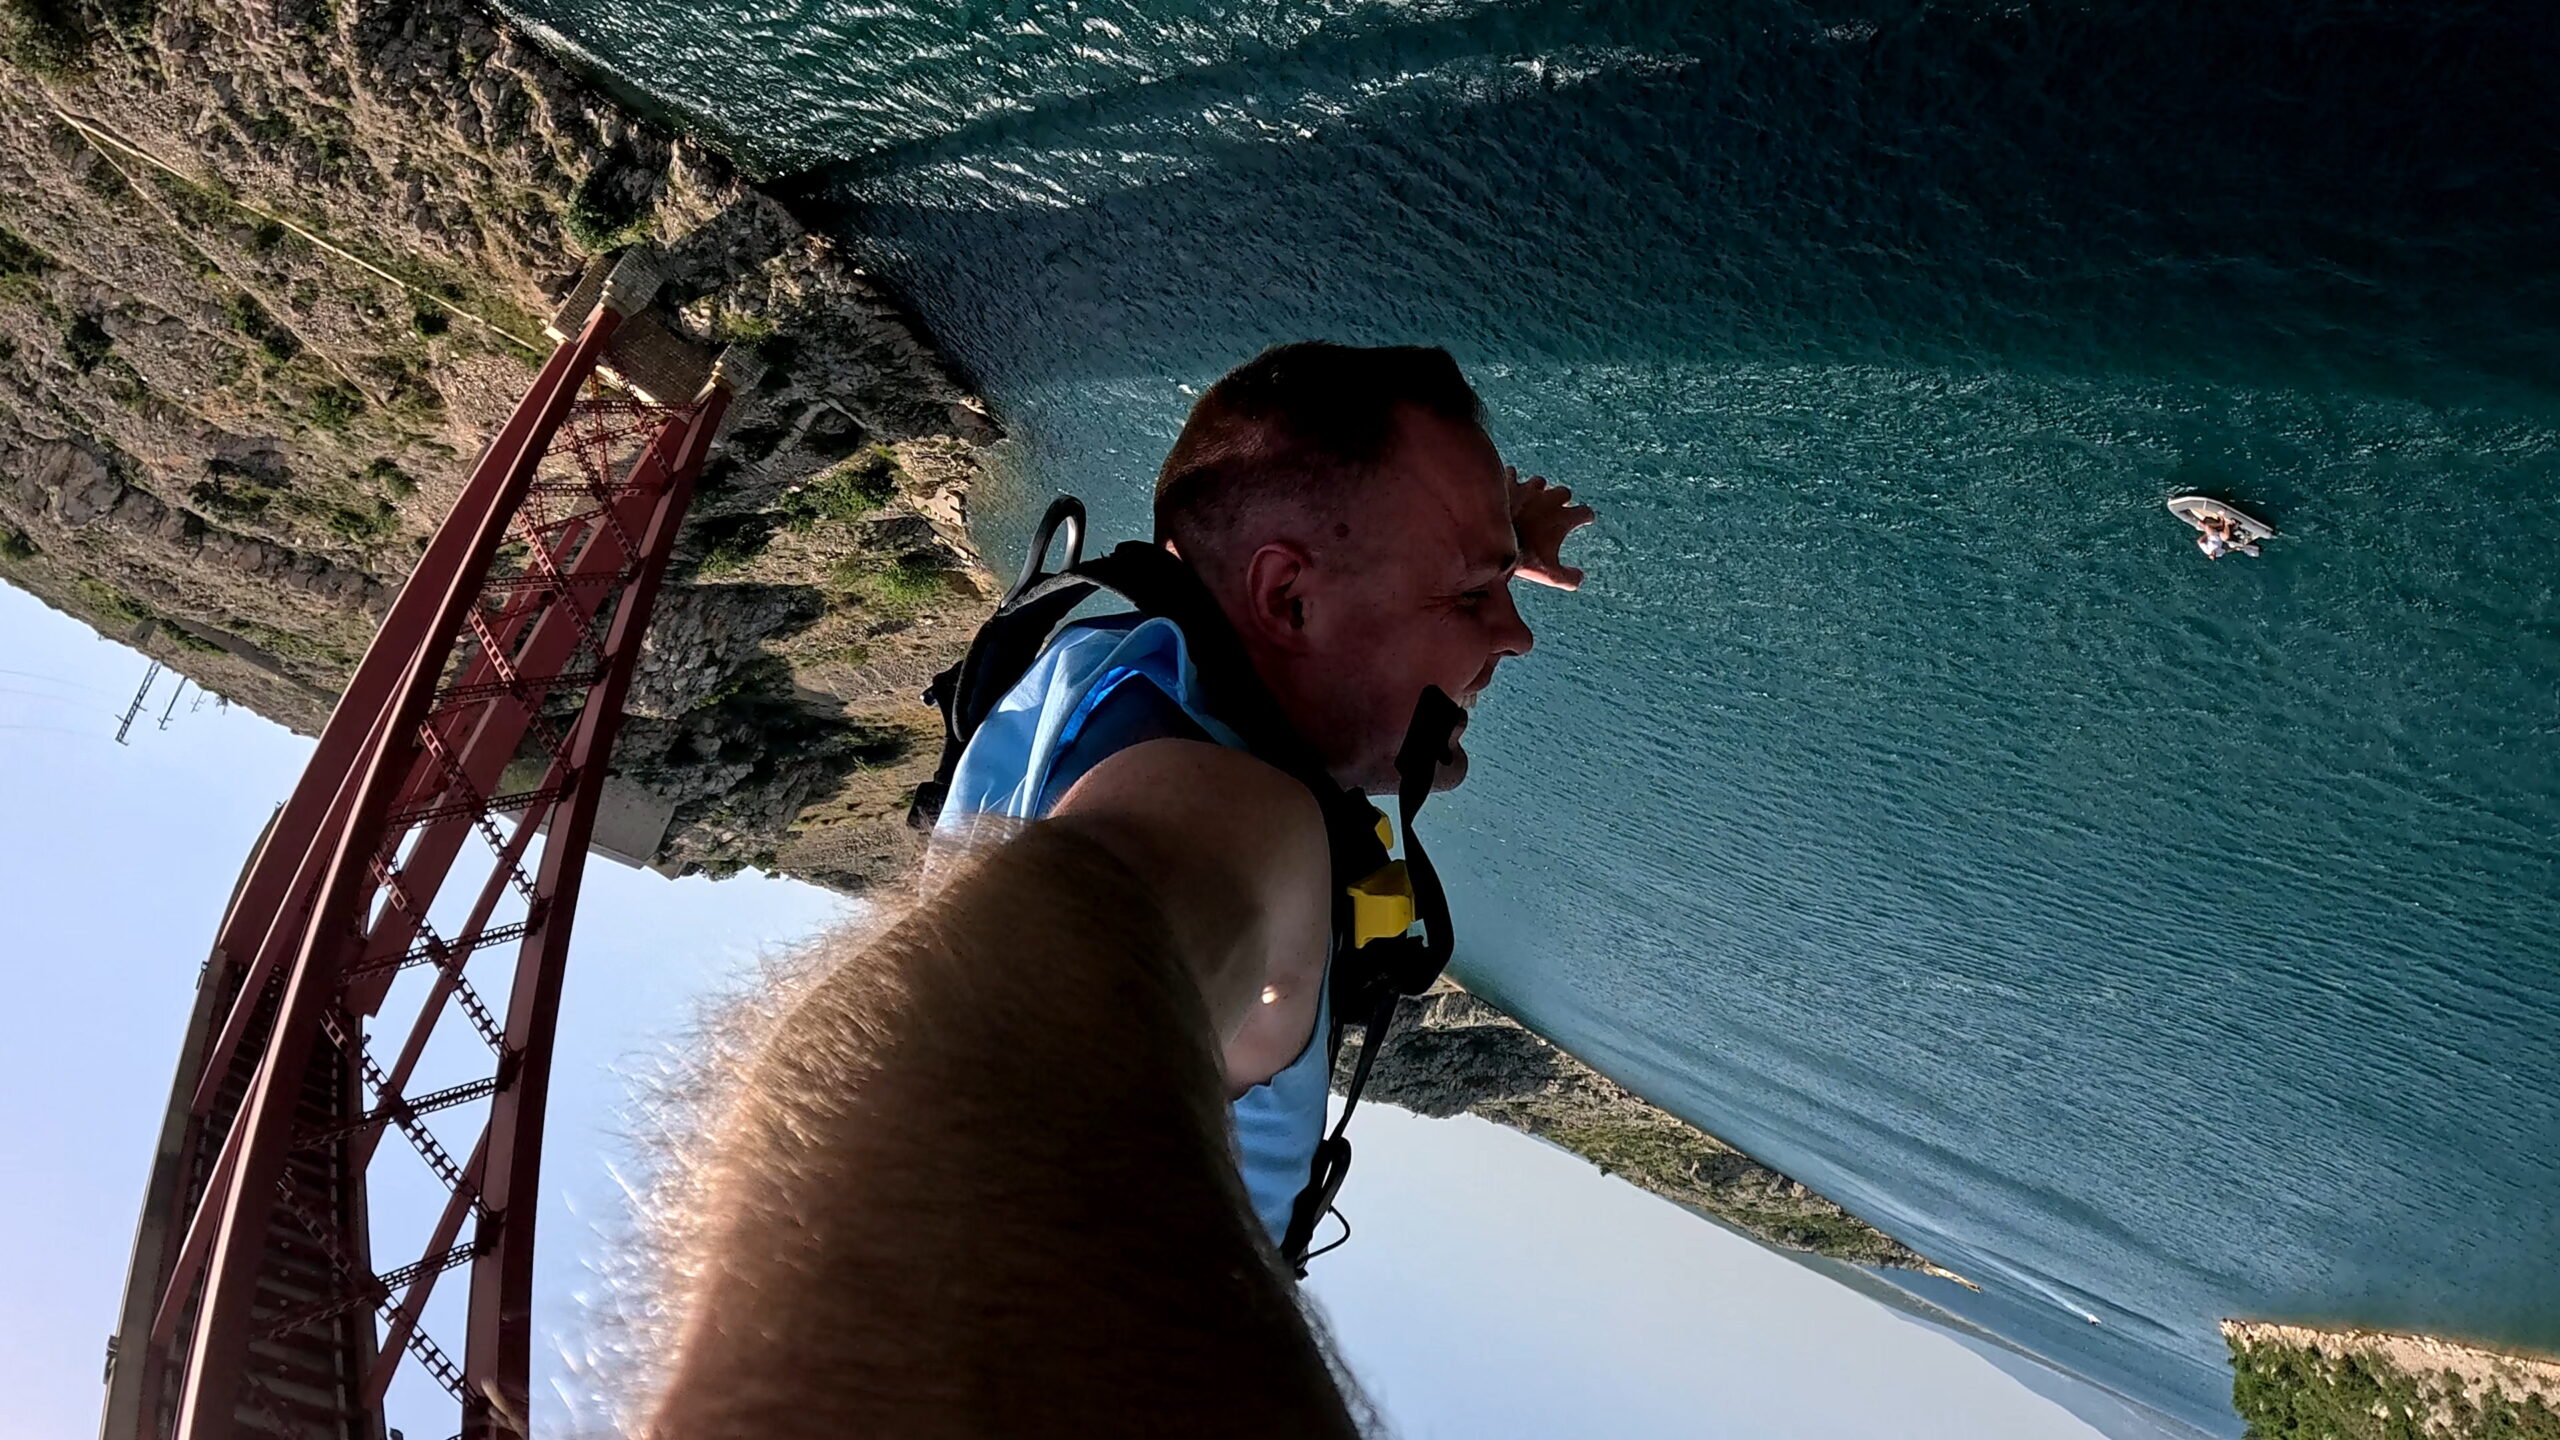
(149, 677)
(56, 680)
(47, 695)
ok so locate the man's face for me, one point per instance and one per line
(1412, 589)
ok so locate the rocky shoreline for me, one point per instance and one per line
(270, 274)
(2291, 1382)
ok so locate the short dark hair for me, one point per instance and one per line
(1301, 424)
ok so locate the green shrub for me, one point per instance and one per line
(87, 343)
(190, 642)
(100, 178)
(897, 588)
(15, 544)
(199, 205)
(332, 150)
(21, 263)
(363, 526)
(732, 327)
(234, 491)
(112, 611)
(429, 320)
(401, 379)
(251, 319)
(307, 649)
(333, 407)
(610, 207)
(230, 502)
(124, 384)
(848, 492)
(49, 37)
(386, 472)
(730, 541)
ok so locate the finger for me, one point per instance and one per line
(1580, 515)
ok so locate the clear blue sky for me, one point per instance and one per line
(1496, 1288)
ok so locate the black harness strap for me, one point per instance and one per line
(1004, 649)
(1367, 979)
(1404, 965)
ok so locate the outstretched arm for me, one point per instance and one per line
(979, 1183)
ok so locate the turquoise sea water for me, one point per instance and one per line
(1904, 798)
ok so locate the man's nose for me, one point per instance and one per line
(1511, 634)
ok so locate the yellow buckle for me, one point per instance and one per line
(1386, 830)
(1382, 904)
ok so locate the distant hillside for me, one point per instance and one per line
(271, 273)
(2292, 1383)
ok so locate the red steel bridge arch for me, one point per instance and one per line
(473, 736)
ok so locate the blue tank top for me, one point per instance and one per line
(1051, 728)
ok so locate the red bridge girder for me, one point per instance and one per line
(252, 1302)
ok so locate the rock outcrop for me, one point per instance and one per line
(269, 276)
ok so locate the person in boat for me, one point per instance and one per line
(2217, 535)
(1017, 1162)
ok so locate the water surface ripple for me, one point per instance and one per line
(1904, 799)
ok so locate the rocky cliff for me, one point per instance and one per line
(1450, 1053)
(270, 274)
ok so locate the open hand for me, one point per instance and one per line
(1542, 515)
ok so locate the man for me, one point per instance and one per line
(2219, 535)
(982, 1179)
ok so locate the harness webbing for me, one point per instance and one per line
(1367, 979)
(1405, 965)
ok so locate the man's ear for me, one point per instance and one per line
(1276, 579)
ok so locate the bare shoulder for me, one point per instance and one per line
(1233, 852)
(1219, 806)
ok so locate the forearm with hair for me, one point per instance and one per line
(978, 1183)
